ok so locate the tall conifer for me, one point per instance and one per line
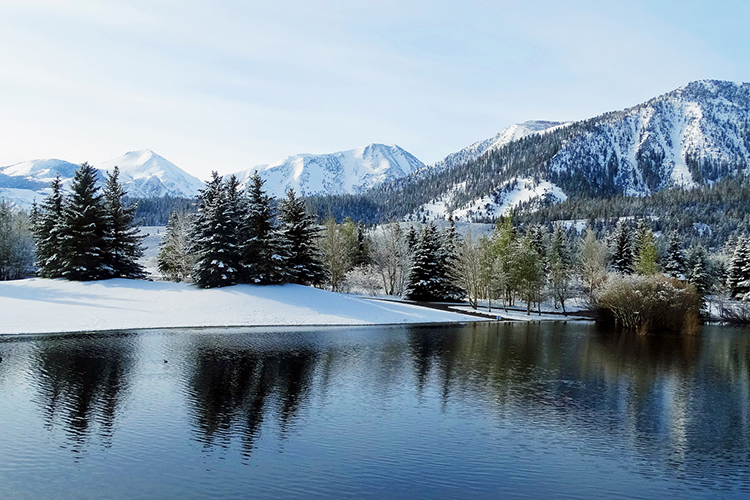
(123, 241)
(298, 233)
(261, 261)
(47, 223)
(84, 229)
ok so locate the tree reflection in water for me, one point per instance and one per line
(679, 400)
(82, 382)
(231, 388)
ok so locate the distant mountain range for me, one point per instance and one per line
(692, 136)
(145, 174)
(344, 172)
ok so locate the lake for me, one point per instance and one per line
(501, 410)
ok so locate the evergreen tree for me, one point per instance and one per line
(450, 242)
(84, 231)
(427, 273)
(259, 245)
(646, 258)
(674, 264)
(214, 240)
(123, 241)
(174, 260)
(738, 276)
(622, 248)
(298, 236)
(528, 272)
(700, 277)
(47, 224)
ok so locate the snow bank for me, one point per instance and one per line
(43, 306)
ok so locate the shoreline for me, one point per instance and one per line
(39, 306)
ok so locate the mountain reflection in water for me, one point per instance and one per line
(474, 410)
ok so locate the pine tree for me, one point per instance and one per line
(450, 242)
(214, 239)
(427, 272)
(123, 241)
(738, 276)
(259, 244)
(174, 260)
(47, 223)
(622, 248)
(674, 264)
(298, 233)
(84, 230)
(700, 277)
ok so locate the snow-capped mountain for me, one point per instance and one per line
(502, 138)
(692, 136)
(35, 174)
(343, 172)
(145, 174)
(142, 173)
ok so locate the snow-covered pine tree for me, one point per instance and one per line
(47, 225)
(427, 273)
(214, 239)
(450, 242)
(622, 248)
(298, 233)
(259, 244)
(84, 243)
(174, 260)
(674, 262)
(700, 276)
(123, 241)
(738, 276)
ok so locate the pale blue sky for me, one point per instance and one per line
(228, 85)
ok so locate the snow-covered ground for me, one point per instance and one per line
(43, 306)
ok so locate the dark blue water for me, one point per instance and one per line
(477, 411)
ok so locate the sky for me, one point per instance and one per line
(229, 85)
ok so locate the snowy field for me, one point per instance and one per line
(44, 306)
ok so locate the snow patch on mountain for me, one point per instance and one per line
(343, 172)
(511, 194)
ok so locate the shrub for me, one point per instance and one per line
(646, 303)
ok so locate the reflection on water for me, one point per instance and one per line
(478, 410)
(231, 388)
(81, 384)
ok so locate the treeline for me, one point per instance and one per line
(87, 235)
(707, 214)
(155, 211)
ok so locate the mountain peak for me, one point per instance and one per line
(342, 172)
